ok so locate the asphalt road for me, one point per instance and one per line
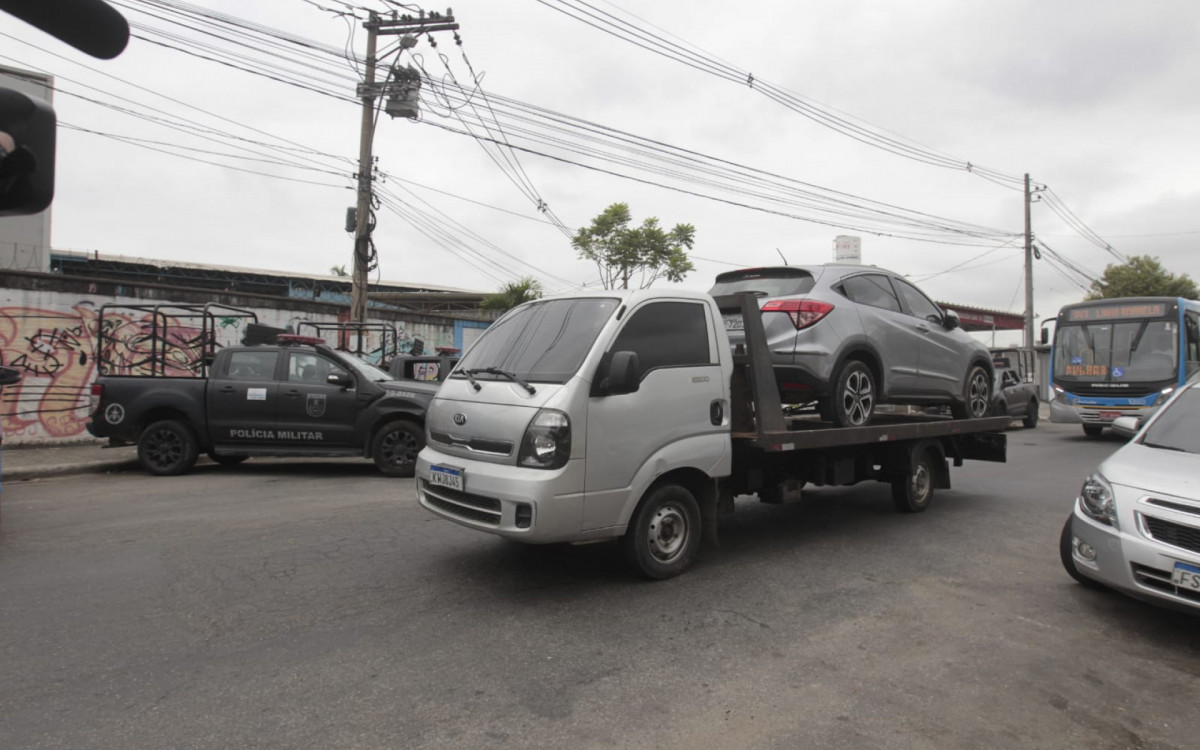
(315, 605)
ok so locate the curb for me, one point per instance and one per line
(17, 474)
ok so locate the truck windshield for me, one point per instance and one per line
(1137, 351)
(365, 369)
(541, 342)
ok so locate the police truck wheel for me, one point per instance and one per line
(226, 460)
(977, 395)
(396, 446)
(167, 448)
(664, 533)
(912, 492)
(1031, 416)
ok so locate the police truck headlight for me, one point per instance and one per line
(547, 441)
(1097, 501)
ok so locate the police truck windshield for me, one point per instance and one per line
(542, 342)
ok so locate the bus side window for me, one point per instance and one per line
(1192, 327)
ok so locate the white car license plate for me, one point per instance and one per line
(1186, 576)
(446, 476)
(733, 322)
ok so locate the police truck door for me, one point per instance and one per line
(241, 398)
(313, 412)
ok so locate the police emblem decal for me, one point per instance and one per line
(316, 405)
(114, 414)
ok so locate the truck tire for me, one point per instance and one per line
(167, 448)
(1068, 559)
(664, 533)
(977, 395)
(854, 397)
(226, 460)
(396, 446)
(1031, 417)
(912, 492)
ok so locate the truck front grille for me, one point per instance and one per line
(476, 508)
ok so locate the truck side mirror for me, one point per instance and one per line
(951, 321)
(340, 379)
(1045, 339)
(624, 374)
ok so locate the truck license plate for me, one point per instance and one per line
(1186, 576)
(733, 322)
(446, 476)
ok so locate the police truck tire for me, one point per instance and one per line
(912, 492)
(664, 533)
(167, 448)
(224, 460)
(396, 446)
(1068, 559)
(1031, 417)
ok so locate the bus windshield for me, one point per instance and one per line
(1136, 351)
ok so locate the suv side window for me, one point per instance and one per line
(917, 302)
(306, 367)
(252, 365)
(666, 334)
(871, 289)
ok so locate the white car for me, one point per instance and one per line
(1136, 525)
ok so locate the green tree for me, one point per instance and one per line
(1141, 276)
(338, 270)
(640, 255)
(512, 294)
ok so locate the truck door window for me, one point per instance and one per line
(666, 334)
(252, 365)
(306, 367)
(871, 289)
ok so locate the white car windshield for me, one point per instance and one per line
(1175, 427)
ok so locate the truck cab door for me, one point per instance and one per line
(677, 416)
(313, 412)
(242, 393)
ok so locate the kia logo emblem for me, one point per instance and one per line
(460, 419)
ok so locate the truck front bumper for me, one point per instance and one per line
(537, 506)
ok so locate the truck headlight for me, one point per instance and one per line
(547, 441)
(1097, 501)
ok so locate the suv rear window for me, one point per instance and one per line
(764, 282)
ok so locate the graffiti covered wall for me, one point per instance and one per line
(53, 338)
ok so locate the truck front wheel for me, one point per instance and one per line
(396, 446)
(664, 533)
(167, 448)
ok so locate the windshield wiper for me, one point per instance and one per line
(471, 379)
(1165, 447)
(501, 373)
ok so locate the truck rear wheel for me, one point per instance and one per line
(912, 492)
(396, 446)
(664, 533)
(167, 448)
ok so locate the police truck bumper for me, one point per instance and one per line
(527, 505)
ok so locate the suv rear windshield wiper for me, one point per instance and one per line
(501, 373)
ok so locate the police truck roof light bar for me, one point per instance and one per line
(285, 339)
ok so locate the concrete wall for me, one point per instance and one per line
(49, 325)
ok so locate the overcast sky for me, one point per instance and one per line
(1093, 99)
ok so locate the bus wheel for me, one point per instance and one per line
(664, 533)
(1092, 430)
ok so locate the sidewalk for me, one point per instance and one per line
(34, 462)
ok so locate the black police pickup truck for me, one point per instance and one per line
(295, 398)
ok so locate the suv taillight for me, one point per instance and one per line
(803, 312)
(94, 399)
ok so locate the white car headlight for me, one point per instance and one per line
(1096, 499)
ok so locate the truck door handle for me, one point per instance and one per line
(293, 393)
(228, 389)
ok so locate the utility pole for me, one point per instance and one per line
(1028, 268)
(398, 82)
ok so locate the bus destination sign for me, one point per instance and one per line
(1116, 312)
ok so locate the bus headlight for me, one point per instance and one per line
(1162, 397)
(1097, 501)
(547, 441)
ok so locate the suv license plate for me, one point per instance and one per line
(733, 323)
(446, 476)
(1186, 576)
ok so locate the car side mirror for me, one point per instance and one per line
(339, 379)
(624, 374)
(951, 321)
(1127, 426)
